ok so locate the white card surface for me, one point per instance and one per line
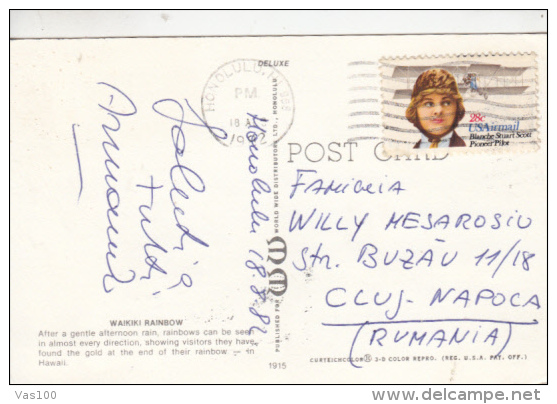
(238, 210)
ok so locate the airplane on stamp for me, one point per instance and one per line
(483, 79)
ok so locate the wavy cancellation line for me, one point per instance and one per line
(468, 101)
(396, 129)
(393, 90)
(366, 88)
(453, 63)
(405, 80)
(487, 114)
(361, 62)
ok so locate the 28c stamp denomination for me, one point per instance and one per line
(460, 103)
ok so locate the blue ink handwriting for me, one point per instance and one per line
(315, 259)
(322, 223)
(370, 257)
(124, 108)
(78, 162)
(356, 186)
(258, 186)
(495, 299)
(336, 297)
(382, 332)
(150, 259)
(180, 172)
(521, 257)
(465, 221)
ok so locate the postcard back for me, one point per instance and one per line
(351, 209)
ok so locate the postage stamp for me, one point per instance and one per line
(459, 103)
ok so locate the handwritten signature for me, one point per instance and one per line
(185, 182)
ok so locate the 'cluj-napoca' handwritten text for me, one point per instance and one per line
(382, 319)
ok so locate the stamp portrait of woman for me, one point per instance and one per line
(435, 109)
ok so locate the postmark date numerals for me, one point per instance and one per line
(240, 139)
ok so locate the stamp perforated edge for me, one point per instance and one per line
(392, 149)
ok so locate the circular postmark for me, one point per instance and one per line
(245, 87)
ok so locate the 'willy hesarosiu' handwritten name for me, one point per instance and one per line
(325, 221)
(310, 182)
(464, 221)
